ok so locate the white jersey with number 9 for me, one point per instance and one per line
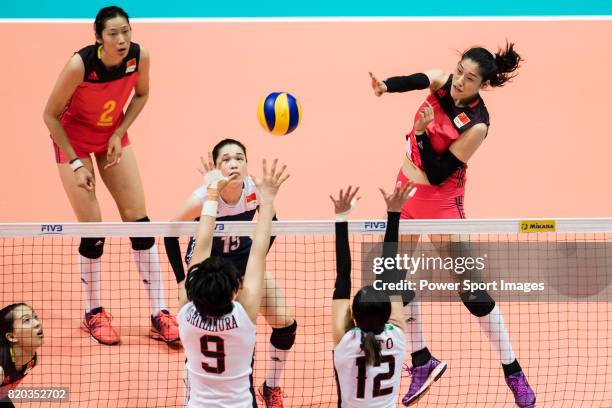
(219, 353)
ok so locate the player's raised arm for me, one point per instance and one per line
(432, 79)
(341, 316)
(394, 202)
(214, 182)
(189, 211)
(253, 284)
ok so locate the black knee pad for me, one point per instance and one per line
(91, 248)
(284, 338)
(478, 302)
(140, 243)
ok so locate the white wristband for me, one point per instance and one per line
(76, 164)
(212, 178)
(210, 208)
(343, 216)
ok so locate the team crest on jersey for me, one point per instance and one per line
(461, 120)
(251, 200)
(131, 66)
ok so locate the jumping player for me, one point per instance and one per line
(85, 115)
(239, 201)
(218, 325)
(448, 129)
(369, 342)
(21, 335)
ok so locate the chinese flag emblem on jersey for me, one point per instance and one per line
(251, 197)
(461, 120)
(131, 66)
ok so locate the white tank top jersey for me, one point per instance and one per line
(368, 386)
(219, 353)
(243, 210)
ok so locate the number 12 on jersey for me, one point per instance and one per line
(377, 391)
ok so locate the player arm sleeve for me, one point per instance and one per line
(437, 169)
(390, 246)
(392, 231)
(342, 287)
(407, 83)
(173, 250)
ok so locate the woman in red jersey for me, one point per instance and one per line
(85, 115)
(448, 129)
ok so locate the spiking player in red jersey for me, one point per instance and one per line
(448, 129)
(85, 115)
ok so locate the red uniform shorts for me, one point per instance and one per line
(84, 149)
(433, 202)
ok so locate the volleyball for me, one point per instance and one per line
(279, 113)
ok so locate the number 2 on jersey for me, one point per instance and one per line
(218, 353)
(105, 118)
(361, 377)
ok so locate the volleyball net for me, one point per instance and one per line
(552, 280)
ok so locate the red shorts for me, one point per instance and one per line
(85, 149)
(433, 202)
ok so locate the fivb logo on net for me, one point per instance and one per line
(51, 229)
(374, 225)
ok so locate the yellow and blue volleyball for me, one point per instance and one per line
(279, 113)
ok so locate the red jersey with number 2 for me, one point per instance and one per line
(96, 108)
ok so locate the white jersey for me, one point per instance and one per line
(219, 354)
(243, 210)
(236, 249)
(368, 386)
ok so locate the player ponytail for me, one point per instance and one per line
(6, 320)
(371, 310)
(497, 68)
(211, 286)
(371, 349)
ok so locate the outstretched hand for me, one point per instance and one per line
(344, 203)
(208, 165)
(379, 87)
(214, 181)
(399, 196)
(270, 181)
